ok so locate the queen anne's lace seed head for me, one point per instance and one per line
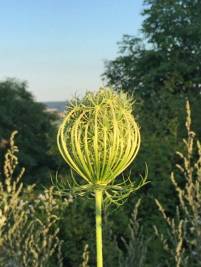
(99, 136)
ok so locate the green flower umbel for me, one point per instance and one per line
(99, 138)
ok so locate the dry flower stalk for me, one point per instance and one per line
(184, 231)
(28, 236)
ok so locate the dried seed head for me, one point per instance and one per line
(99, 136)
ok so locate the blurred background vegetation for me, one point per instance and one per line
(162, 69)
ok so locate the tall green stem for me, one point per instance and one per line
(99, 246)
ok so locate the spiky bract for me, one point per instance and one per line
(99, 136)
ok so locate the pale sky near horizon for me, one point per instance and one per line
(59, 47)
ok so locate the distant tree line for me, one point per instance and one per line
(36, 129)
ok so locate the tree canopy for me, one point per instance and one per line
(167, 57)
(19, 111)
(162, 69)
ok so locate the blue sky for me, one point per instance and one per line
(59, 46)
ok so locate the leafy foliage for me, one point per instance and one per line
(19, 111)
(162, 70)
(137, 245)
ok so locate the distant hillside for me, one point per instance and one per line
(58, 105)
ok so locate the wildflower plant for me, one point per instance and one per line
(98, 139)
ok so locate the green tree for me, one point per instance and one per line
(19, 111)
(162, 69)
(167, 55)
(173, 29)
